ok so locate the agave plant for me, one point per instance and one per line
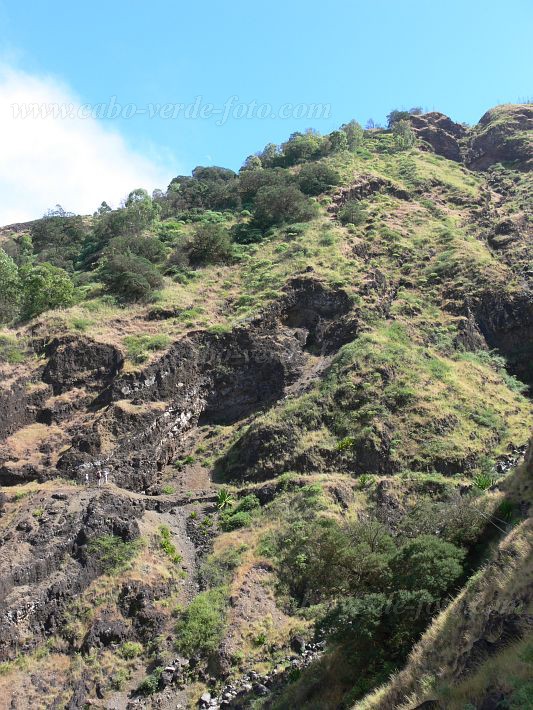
(224, 499)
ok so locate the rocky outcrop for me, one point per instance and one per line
(363, 186)
(20, 403)
(440, 134)
(503, 135)
(506, 322)
(80, 362)
(45, 560)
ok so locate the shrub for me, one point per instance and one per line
(57, 238)
(168, 547)
(217, 570)
(404, 136)
(151, 683)
(249, 502)
(315, 178)
(245, 233)
(44, 287)
(148, 248)
(277, 205)
(352, 212)
(241, 519)
(10, 288)
(428, 563)
(130, 649)
(131, 277)
(354, 134)
(301, 147)
(210, 244)
(201, 626)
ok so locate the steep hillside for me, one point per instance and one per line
(256, 430)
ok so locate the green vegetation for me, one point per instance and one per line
(113, 553)
(138, 347)
(168, 547)
(130, 649)
(10, 288)
(201, 626)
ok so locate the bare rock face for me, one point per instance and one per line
(503, 135)
(507, 325)
(441, 133)
(76, 362)
(45, 560)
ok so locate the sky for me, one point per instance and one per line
(128, 94)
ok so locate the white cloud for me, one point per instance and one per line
(75, 162)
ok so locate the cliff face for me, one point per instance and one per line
(190, 487)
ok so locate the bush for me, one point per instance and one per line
(428, 562)
(277, 205)
(353, 212)
(354, 134)
(210, 244)
(234, 521)
(201, 626)
(130, 649)
(245, 233)
(45, 287)
(131, 277)
(148, 248)
(168, 547)
(301, 147)
(57, 238)
(249, 502)
(404, 136)
(151, 683)
(10, 288)
(315, 178)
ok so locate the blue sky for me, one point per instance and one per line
(360, 58)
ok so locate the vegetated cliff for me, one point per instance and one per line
(220, 492)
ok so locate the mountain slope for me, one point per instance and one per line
(265, 403)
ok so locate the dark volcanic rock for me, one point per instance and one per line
(80, 362)
(503, 135)
(44, 561)
(441, 133)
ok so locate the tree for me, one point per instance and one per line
(338, 141)
(427, 562)
(45, 286)
(150, 248)
(280, 204)
(354, 134)
(315, 178)
(131, 277)
(301, 147)
(395, 115)
(57, 238)
(252, 162)
(404, 136)
(10, 288)
(210, 244)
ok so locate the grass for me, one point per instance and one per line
(139, 347)
(12, 349)
(168, 547)
(112, 553)
(201, 626)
